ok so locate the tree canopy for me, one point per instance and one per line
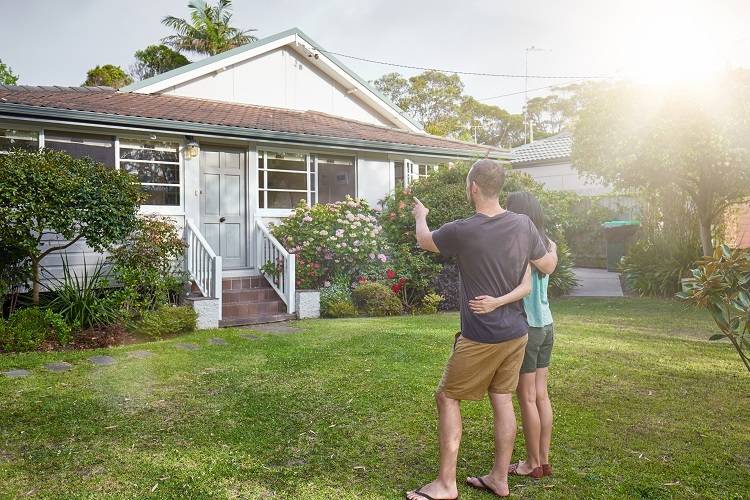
(208, 31)
(107, 75)
(155, 60)
(6, 75)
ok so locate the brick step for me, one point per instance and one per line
(257, 320)
(248, 283)
(249, 309)
(248, 295)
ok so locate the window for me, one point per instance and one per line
(13, 138)
(283, 179)
(156, 165)
(336, 178)
(101, 149)
(399, 170)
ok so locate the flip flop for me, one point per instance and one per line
(536, 473)
(484, 486)
(547, 469)
(426, 496)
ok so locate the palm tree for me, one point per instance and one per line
(208, 31)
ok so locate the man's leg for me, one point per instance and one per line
(449, 428)
(527, 399)
(544, 407)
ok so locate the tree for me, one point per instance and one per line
(488, 124)
(433, 99)
(208, 31)
(6, 75)
(551, 114)
(155, 60)
(108, 75)
(395, 87)
(693, 143)
(47, 193)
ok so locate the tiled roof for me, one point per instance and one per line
(317, 125)
(544, 150)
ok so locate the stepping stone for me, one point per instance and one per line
(188, 346)
(275, 328)
(58, 367)
(140, 354)
(102, 360)
(217, 341)
(248, 336)
(17, 373)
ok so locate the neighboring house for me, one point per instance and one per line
(548, 162)
(226, 144)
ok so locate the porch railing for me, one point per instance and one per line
(202, 264)
(276, 264)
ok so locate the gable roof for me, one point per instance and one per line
(300, 42)
(106, 106)
(557, 147)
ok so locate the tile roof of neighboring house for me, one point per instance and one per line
(107, 106)
(557, 147)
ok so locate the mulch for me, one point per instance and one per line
(95, 338)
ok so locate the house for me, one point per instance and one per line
(226, 144)
(548, 162)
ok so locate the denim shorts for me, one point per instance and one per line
(538, 349)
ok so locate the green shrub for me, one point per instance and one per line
(430, 303)
(376, 299)
(563, 280)
(167, 320)
(27, 328)
(340, 309)
(339, 237)
(337, 292)
(655, 267)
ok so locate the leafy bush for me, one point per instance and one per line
(339, 290)
(146, 264)
(15, 271)
(656, 266)
(376, 299)
(326, 238)
(167, 320)
(563, 280)
(340, 309)
(83, 301)
(27, 328)
(430, 303)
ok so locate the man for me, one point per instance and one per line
(493, 249)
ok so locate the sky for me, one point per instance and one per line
(54, 42)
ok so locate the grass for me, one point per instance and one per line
(645, 408)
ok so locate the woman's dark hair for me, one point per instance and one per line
(522, 202)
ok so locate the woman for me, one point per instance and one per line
(536, 409)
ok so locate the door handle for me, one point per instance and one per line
(222, 219)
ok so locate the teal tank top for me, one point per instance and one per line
(536, 303)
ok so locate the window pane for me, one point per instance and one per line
(162, 195)
(281, 199)
(99, 148)
(18, 139)
(335, 179)
(287, 161)
(162, 173)
(149, 150)
(399, 167)
(287, 180)
(261, 179)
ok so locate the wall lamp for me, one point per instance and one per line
(191, 148)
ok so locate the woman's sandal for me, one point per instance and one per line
(484, 486)
(536, 473)
(546, 470)
(426, 496)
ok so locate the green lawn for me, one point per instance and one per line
(645, 408)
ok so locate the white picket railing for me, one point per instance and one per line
(202, 263)
(268, 249)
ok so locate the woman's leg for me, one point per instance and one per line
(530, 416)
(544, 412)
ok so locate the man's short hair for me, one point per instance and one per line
(489, 176)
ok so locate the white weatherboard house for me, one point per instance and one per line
(225, 144)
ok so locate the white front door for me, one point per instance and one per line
(223, 203)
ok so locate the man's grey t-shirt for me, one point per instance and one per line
(492, 254)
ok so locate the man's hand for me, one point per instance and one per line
(483, 304)
(420, 211)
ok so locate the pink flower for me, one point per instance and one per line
(307, 218)
(390, 274)
(382, 257)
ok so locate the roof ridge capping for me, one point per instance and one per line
(57, 88)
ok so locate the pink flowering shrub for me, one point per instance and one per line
(340, 237)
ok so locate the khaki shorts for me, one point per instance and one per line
(476, 368)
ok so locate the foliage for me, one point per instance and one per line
(376, 299)
(722, 285)
(339, 290)
(557, 111)
(563, 280)
(689, 141)
(27, 328)
(340, 309)
(6, 75)
(155, 60)
(208, 31)
(655, 266)
(48, 194)
(146, 264)
(82, 301)
(15, 270)
(167, 320)
(327, 238)
(107, 75)
(430, 303)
